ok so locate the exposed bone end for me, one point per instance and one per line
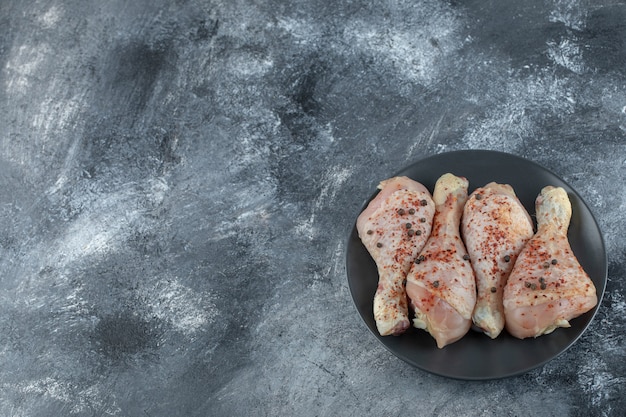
(553, 207)
(450, 185)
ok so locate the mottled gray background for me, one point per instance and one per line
(179, 179)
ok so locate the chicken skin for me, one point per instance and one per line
(394, 228)
(548, 286)
(495, 228)
(440, 284)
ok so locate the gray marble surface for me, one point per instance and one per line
(179, 179)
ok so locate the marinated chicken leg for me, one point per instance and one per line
(441, 283)
(495, 227)
(394, 228)
(548, 286)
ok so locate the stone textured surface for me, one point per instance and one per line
(179, 178)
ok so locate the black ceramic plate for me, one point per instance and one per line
(476, 356)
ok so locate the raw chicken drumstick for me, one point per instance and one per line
(495, 227)
(548, 286)
(441, 283)
(394, 228)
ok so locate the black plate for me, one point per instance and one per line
(476, 356)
